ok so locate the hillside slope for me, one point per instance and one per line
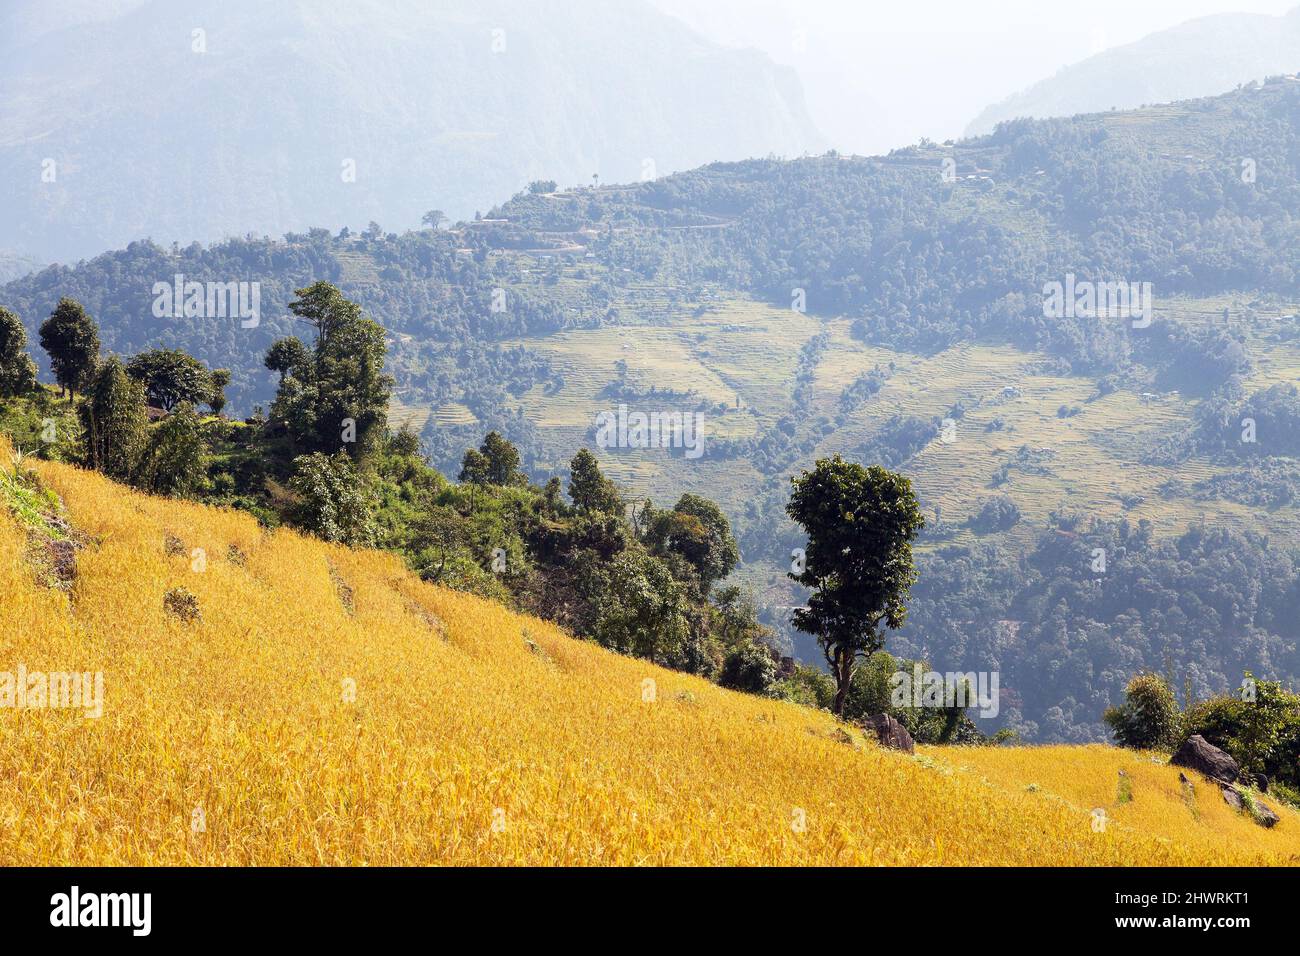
(924, 302)
(476, 736)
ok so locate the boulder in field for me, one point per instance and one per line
(1232, 797)
(1259, 811)
(891, 733)
(1263, 814)
(1200, 755)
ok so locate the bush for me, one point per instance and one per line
(807, 686)
(870, 691)
(173, 459)
(181, 603)
(1260, 732)
(996, 514)
(1148, 719)
(748, 667)
(404, 443)
(333, 502)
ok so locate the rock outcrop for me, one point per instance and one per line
(1202, 756)
(891, 733)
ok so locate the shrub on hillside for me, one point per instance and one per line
(1259, 728)
(807, 686)
(1148, 719)
(870, 690)
(995, 514)
(333, 502)
(748, 667)
(172, 462)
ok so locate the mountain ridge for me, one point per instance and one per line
(1200, 57)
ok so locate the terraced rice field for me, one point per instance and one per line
(323, 706)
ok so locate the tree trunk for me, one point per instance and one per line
(843, 677)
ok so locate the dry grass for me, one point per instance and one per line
(466, 715)
(1086, 779)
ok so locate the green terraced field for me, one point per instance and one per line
(740, 359)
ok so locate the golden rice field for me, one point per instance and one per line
(474, 736)
(1152, 800)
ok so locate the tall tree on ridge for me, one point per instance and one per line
(115, 421)
(71, 338)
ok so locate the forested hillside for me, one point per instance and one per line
(890, 309)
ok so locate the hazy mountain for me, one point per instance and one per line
(13, 265)
(136, 118)
(1198, 58)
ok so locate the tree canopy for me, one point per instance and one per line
(71, 338)
(860, 523)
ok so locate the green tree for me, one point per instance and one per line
(748, 667)
(860, 524)
(474, 471)
(1259, 727)
(642, 609)
(553, 497)
(439, 534)
(173, 458)
(1148, 719)
(338, 400)
(353, 390)
(434, 218)
(502, 460)
(288, 356)
(71, 338)
(697, 530)
(589, 489)
(404, 443)
(735, 618)
(17, 370)
(871, 690)
(171, 376)
(333, 500)
(807, 686)
(114, 421)
(474, 468)
(220, 379)
(1271, 715)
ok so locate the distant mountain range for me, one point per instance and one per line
(13, 265)
(1201, 57)
(136, 118)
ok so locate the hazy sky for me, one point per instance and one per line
(883, 74)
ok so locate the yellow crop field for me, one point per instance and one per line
(327, 707)
(1119, 788)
